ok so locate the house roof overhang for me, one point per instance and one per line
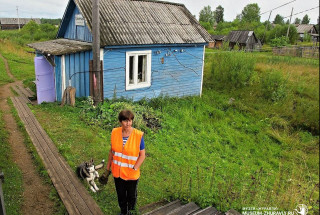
(61, 46)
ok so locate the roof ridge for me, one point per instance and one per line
(162, 2)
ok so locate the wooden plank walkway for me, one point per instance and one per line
(74, 195)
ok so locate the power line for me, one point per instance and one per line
(278, 7)
(301, 12)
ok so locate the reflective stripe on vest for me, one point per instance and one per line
(123, 164)
(125, 156)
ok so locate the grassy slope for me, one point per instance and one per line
(209, 151)
(20, 62)
(4, 78)
(12, 187)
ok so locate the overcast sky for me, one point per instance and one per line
(56, 8)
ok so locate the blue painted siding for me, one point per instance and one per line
(77, 72)
(77, 32)
(179, 75)
(57, 61)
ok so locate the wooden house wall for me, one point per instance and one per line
(180, 74)
(58, 78)
(10, 26)
(76, 73)
(251, 43)
(77, 32)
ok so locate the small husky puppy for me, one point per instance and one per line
(88, 171)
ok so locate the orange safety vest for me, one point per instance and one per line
(125, 157)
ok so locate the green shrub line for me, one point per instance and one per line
(40, 168)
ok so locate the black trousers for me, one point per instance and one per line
(127, 194)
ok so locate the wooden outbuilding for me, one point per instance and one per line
(217, 41)
(303, 29)
(15, 23)
(246, 40)
(148, 49)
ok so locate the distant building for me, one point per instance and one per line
(217, 41)
(246, 40)
(14, 23)
(309, 29)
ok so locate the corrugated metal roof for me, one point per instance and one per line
(14, 21)
(301, 29)
(218, 37)
(135, 22)
(240, 36)
(61, 46)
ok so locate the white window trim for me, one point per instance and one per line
(137, 85)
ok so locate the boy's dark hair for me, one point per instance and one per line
(125, 115)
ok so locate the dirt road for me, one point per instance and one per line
(36, 192)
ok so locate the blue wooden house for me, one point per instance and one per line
(148, 49)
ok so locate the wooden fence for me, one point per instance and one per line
(306, 52)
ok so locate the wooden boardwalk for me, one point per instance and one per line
(74, 195)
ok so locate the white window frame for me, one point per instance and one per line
(137, 85)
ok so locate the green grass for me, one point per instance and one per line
(20, 62)
(13, 184)
(4, 78)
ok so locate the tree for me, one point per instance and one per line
(305, 19)
(297, 21)
(250, 13)
(30, 29)
(206, 15)
(278, 20)
(281, 30)
(218, 14)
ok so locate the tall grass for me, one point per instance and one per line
(274, 89)
(232, 69)
(288, 60)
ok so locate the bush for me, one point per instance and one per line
(306, 37)
(232, 70)
(281, 30)
(274, 86)
(106, 114)
(279, 42)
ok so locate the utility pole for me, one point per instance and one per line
(96, 52)
(289, 24)
(265, 29)
(18, 17)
